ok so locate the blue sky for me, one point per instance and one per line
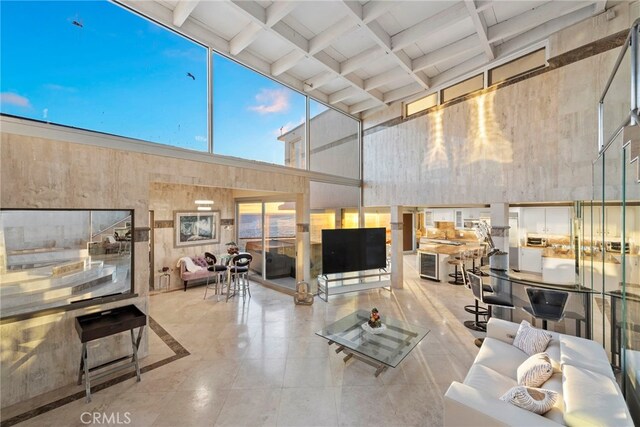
(115, 72)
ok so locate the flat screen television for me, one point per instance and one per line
(353, 249)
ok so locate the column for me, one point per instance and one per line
(396, 248)
(303, 240)
(500, 225)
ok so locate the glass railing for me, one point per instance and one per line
(611, 229)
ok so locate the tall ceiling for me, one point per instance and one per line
(360, 56)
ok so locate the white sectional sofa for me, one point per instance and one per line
(589, 394)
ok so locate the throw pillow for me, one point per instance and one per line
(200, 261)
(535, 371)
(531, 340)
(536, 400)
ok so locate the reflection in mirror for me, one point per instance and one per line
(52, 258)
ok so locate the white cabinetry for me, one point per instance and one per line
(531, 260)
(591, 215)
(428, 218)
(558, 220)
(612, 221)
(443, 215)
(459, 218)
(547, 220)
(534, 220)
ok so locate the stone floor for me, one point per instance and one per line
(258, 362)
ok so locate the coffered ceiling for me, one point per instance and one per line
(361, 56)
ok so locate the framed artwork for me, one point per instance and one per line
(196, 228)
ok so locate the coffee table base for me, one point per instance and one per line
(380, 367)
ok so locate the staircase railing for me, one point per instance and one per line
(630, 45)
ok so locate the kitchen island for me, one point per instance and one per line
(434, 254)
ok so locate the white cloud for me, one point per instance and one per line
(14, 99)
(201, 138)
(271, 101)
(45, 113)
(60, 88)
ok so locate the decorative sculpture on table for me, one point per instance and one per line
(374, 319)
(374, 324)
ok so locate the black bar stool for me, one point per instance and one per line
(546, 304)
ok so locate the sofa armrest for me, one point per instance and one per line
(502, 330)
(467, 406)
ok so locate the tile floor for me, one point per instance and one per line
(258, 362)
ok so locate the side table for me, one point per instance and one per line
(103, 324)
(161, 277)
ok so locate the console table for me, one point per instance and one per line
(340, 283)
(103, 324)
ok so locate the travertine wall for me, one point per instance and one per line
(164, 200)
(533, 141)
(42, 354)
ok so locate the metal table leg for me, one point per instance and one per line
(87, 380)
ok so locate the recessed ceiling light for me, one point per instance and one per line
(204, 202)
(204, 208)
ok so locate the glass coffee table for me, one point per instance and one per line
(382, 350)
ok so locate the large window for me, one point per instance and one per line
(255, 117)
(97, 66)
(53, 258)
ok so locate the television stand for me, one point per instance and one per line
(354, 281)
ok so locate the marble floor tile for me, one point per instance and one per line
(258, 362)
(312, 372)
(256, 407)
(191, 408)
(260, 373)
(315, 406)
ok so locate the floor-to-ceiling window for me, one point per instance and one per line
(97, 66)
(267, 231)
(255, 117)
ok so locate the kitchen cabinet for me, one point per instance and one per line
(534, 220)
(559, 270)
(428, 218)
(531, 260)
(558, 220)
(547, 220)
(612, 221)
(443, 215)
(459, 218)
(592, 218)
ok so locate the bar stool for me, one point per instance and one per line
(546, 304)
(475, 309)
(491, 299)
(238, 272)
(213, 267)
(458, 265)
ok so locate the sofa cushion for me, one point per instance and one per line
(200, 261)
(535, 371)
(592, 399)
(553, 350)
(557, 412)
(583, 353)
(501, 357)
(531, 340)
(488, 381)
(536, 400)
